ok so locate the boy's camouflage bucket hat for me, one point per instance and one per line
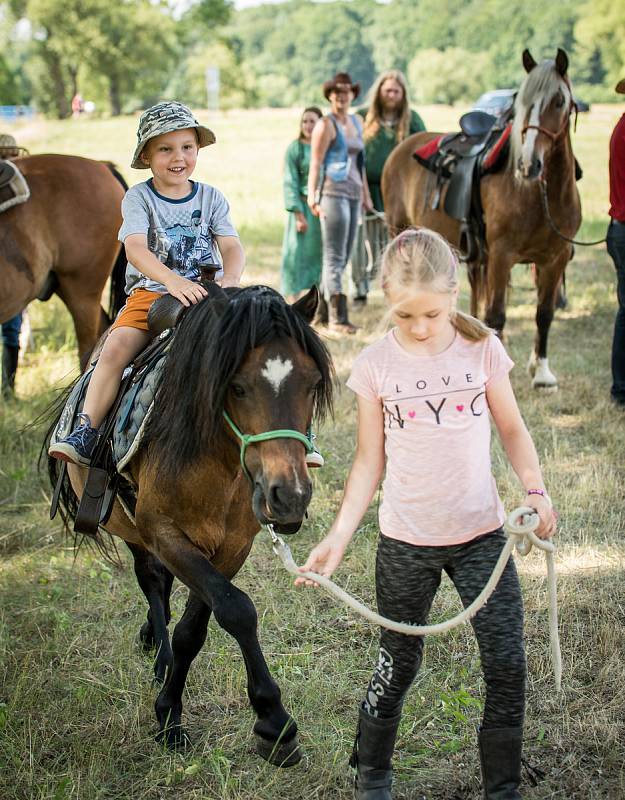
(165, 118)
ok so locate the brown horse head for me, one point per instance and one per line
(542, 111)
(257, 359)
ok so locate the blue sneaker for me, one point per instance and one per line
(78, 447)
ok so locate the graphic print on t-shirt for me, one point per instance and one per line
(437, 400)
(183, 248)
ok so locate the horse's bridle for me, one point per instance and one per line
(550, 134)
(247, 439)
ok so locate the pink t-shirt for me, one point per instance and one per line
(439, 487)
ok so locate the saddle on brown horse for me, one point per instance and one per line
(459, 161)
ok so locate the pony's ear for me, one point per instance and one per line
(528, 60)
(216, 294)
(562, 62)
(307, 305)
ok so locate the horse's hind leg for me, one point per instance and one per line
(476, 273)
(83, 303)
(155, 581)
(187, 641)
(497, 277)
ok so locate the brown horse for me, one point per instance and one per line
(239, 365)
(64, 240)
(517, 227)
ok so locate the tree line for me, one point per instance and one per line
(127, 54)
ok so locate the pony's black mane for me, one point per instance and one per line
(208, 349)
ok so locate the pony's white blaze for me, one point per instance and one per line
(527, 151)
(276, 371)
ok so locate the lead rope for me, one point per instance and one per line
(520, 526)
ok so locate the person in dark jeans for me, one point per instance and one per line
(616, 249)
(10, 353)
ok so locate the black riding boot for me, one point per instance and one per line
(373, 750)
(500, 756)
(9, 368)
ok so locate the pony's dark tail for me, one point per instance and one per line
(67, 499)
(117, 295)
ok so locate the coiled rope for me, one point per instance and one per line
(520, 526)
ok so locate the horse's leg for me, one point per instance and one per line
(187, 641)
(155, 581)
(476, 273)
(548, 277)
(86, 310)
(275, 729)
(497, 278)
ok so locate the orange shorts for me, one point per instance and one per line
(135, 313)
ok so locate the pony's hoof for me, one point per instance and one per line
(281, 753)
(146, 637)
(545, 388)
(543, 378)
(174, 738)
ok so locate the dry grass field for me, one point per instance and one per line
(76, 718)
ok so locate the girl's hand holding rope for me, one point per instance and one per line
(548, 518)
(323, 559)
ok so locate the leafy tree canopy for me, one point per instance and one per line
(128, 53)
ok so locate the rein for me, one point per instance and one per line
(520, 525)
(542, 182)
(247, 439)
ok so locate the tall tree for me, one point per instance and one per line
(131, 44)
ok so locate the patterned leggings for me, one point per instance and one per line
(407, 578)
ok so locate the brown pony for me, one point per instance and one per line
(518, 229)
(240, 364)
(64, 240)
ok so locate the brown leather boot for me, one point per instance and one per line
(339, 320)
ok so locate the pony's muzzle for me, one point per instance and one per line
(282, 503)
(531, 170)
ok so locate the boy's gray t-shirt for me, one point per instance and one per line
(180, 232)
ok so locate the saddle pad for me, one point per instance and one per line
(498, 151)
(134, 412)
(13, 187)
(424, 153)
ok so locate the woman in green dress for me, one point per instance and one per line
(301, 247)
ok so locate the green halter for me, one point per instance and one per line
(247, 439)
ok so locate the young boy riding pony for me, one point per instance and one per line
(171, 226)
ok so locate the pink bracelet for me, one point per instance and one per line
(542, 493)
